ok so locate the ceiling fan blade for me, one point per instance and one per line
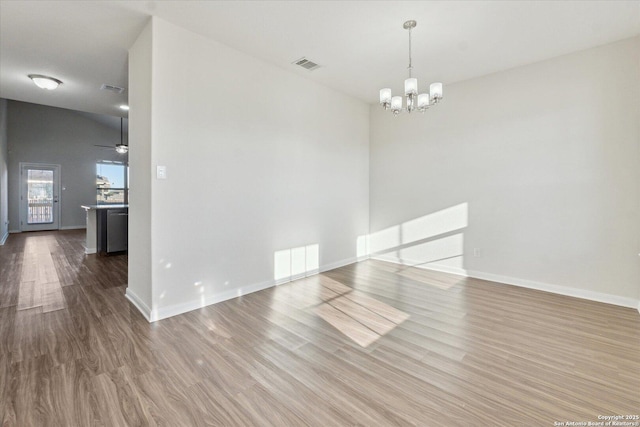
(105, 146)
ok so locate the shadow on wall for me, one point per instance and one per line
(433, 239)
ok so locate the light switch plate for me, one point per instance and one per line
(161, 172)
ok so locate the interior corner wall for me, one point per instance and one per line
(4, 194)
(43, 134)
(266, 173)
(139, 289)
(529, 176)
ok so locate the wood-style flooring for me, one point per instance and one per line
(371, 344)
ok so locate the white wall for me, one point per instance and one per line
(4, 195)
(42, 134)
(538, 167)
(140, 77)
(259, 161)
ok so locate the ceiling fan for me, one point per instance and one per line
(121, 148)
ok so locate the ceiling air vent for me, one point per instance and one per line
(112, 88)
(306, 64)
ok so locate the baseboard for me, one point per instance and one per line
(337, 264)
(523, 283)
(326, 267)
(422, 264)
(557, 289)
(89, 251)
(139, 304)
(15, 231)
(4, 238)
(73, 227)
(174, 310)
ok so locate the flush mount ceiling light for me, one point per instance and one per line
(414, 100)
(124, 107)
(45, 82)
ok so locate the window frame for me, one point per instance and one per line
(124, 189)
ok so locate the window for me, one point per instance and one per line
(112, 183)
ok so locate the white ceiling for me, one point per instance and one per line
(360, 44)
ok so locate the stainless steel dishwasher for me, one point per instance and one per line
(117, 230)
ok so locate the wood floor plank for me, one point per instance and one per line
(61, 338)
(27, 380)
(7, 329)
(167, 401)
(28, 335)
(213, 407)
(283, 384)
(29, 295)
(119, 401)
(5, 382)
(371, 343)
(52, 297)
(10, 277)
(70, 397)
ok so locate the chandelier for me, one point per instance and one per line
(414, 101)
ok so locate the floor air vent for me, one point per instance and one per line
(306, 64)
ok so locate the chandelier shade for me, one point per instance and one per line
(411, 86)
(385, 97)
(396, 104)
(423, 102)
(414, 99)
(436, 91)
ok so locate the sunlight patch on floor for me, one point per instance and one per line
(361, 318)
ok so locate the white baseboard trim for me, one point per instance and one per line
(282, 281)
(89, 251)
(73, 227)
(557, 289)
(15, 231)
(523, 283)
(421, 264)
(139, 304)
(4, 238)
(338, 264)
(174, 310)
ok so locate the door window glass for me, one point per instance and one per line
(40, 196)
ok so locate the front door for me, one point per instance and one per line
(39, 196)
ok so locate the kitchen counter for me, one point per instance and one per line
(90, 207)
(97, 232)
